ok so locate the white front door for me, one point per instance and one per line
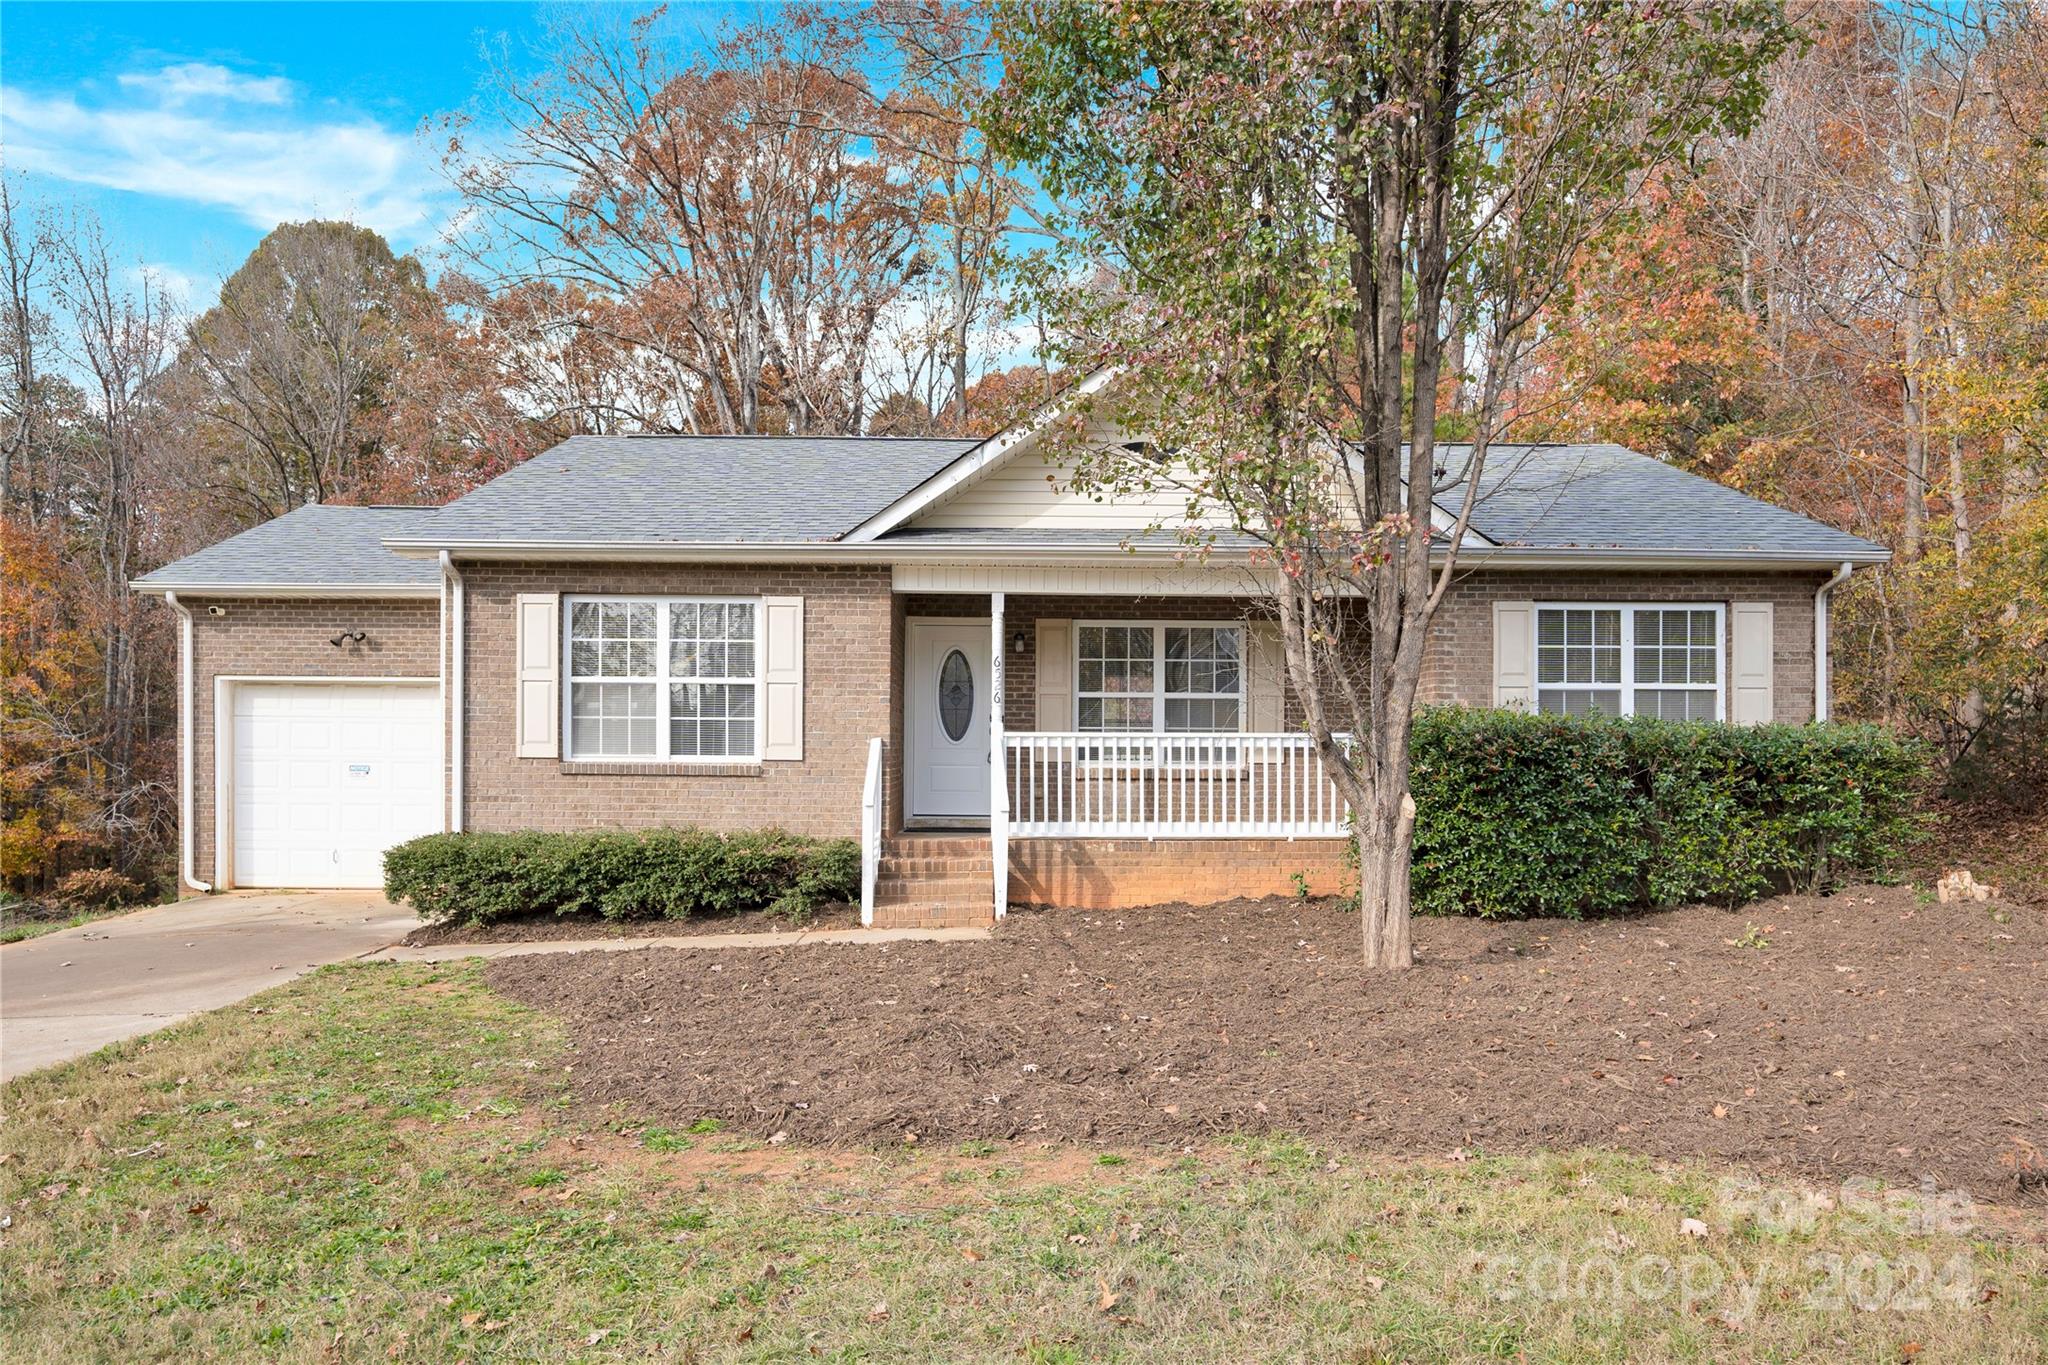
(946, 723)
(328, 775)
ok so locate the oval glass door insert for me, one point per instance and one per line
(956, 695)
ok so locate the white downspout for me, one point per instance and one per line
(187, 836)
(1820, 639)
(453, 682)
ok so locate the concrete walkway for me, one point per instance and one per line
(451, 952)
(67, 993)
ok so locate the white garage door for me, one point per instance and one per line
(329, 775)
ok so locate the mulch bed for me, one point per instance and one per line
(1874, 1035)
(556, 928)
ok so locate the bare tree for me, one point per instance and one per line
(25, 263)
(741, 239)
(283, 379)
(120, 340)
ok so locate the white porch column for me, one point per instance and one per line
(999, 788)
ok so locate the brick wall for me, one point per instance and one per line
(854, 639)
(1458, 666)
(1117, 874)
(848, 629)
(290, 638)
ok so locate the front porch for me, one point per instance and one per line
(1092, 751)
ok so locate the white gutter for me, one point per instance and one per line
(1820, 639)
(993, 552)
(187, 835)
(364, 590)
(449, 573)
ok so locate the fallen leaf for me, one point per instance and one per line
(970, 1254)
(472, 1319)
(1691, 1227)
(1109, 1297)
(1720, 1111)
(879, 1313)
(777, 1138)
(595, 1337)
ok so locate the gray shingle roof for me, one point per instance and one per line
(1608, 497)
(319, 545)
(695, 489)
(754, 490)
(1064, 537)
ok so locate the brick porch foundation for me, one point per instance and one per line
(1117, 874)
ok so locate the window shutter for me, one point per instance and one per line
(1750, 664)
(1053, 692)
(1514, 655)
(782, 678)
(1265, 711)
(537, 708)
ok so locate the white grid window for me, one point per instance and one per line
(1159, 679)
(1117, 684)
(1623, 660)
(663, 678)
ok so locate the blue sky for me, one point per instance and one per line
(192, 129)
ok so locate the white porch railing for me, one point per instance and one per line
(870, 832)
(1169, 787)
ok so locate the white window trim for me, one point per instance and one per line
(1159, 693)
(1627, 685)
(661, 680)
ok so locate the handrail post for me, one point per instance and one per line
(870, 832)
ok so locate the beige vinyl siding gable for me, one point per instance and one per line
(1026, 491)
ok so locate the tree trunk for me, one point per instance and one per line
(1959, 506)
(1386, 835)
(1913, 534)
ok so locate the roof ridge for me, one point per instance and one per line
(758, 436)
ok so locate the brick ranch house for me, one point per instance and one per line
(1006, 689)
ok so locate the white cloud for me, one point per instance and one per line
(185, 291)
(205, 135)
(183, 82)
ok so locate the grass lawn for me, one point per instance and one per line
(386, 1162)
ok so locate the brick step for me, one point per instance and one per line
(927, 917)
(938, 867)
(935, 846)
(935, 886)
(926, 888)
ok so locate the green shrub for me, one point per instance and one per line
(1521, 814)
(649, 874)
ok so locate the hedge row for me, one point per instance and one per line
(650, 874)
(1523, 814)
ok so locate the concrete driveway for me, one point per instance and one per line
(67, 993)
